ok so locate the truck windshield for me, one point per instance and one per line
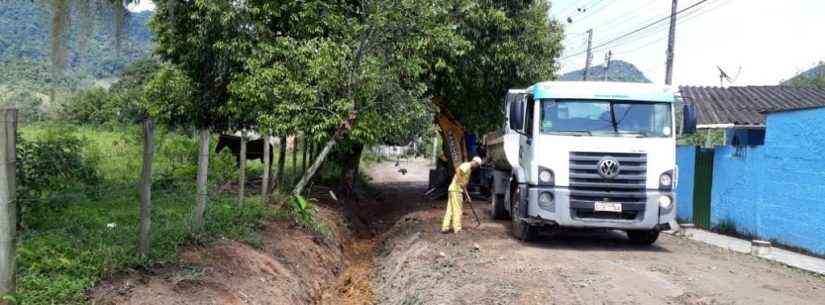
(605, 118)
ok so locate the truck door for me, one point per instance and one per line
(526, 139)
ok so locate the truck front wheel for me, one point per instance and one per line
(521, 229)
(643, 237)
(497, 207)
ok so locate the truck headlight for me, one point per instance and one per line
(546, 199)
(546, 177)
(665, 202)
(666, 180)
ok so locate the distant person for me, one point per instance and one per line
(455, 195)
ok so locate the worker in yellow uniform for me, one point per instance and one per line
(456, 194)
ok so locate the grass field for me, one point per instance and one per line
(71, 239)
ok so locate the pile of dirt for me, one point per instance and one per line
(293, 267)
(418, 265)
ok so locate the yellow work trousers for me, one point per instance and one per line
(453, 214)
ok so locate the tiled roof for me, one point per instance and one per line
(745, 106)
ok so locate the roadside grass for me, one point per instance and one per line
(72, 239)
(67, 250)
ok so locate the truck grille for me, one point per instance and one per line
(587, 186)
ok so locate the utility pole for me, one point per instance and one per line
(589, 54)
(8, 207)
(670, 44)
(607, 63)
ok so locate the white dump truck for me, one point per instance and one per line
(587, 155)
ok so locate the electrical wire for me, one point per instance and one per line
(575, 8)
(634, 35)
(687, 18)
(648, 31)
(622, 16)
(628, 34)
(593, 11)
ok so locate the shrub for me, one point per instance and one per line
(28, 104)
(54, 162)
(90, 106)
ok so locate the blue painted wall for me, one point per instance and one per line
(776, 191)
(686, 160)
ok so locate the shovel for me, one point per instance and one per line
(469, 202)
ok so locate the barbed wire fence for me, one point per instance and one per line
(101, 208)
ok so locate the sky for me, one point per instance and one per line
(142, 5)
(761, 41)
(756, 42)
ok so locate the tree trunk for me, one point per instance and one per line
(203, 169)
(144, 236)
(313, 148)
(294, 158)
(267, 171)
(279, 179)
(341, 132)
(299, 187)
(242, 170)
(8, 207)
(350, 160)
(304, 157)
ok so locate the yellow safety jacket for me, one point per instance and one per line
(461, 178)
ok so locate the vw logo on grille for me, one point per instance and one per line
(608, 167)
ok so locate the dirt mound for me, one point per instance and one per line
(292, 267)
(419, 265)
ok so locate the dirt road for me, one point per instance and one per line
(415, 264)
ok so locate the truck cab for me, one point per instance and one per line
(587, 155)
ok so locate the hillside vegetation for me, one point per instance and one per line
(91, 55)
(619, 71)
(813, 77)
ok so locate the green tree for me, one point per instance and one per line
(205, 41)
(90, 106)
(513, 44)
(127, 92)
(361, 79)
(815, 78)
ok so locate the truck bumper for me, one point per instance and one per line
(581, 214)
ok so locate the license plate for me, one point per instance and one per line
(601, 206)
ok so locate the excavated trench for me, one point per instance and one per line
(292, 266)
(387, 250)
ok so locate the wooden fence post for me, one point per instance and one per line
(267, 171)
(8, 207)
(203, 171)
(242, 170)
(144, 236)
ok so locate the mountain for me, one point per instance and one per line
(619, 71)
(91, 55)
(813, 77)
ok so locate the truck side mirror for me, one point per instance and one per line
(688, 119)
(517, 115)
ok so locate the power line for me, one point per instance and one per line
(649, 26)
(625, 14)
(690, 16)
(563, 9)
(594, 11)
(660, 20)
(578, 8)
